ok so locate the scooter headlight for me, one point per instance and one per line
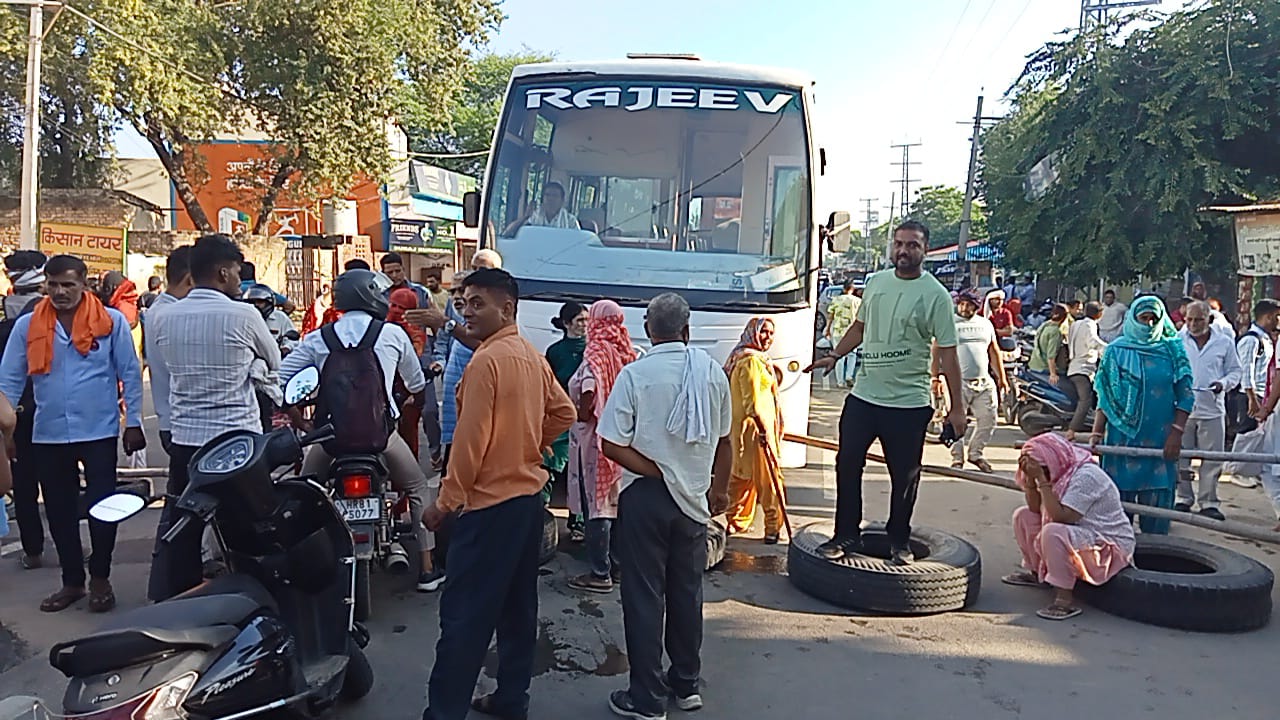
(166, 701)
(227, 457)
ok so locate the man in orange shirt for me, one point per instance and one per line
(494, 478)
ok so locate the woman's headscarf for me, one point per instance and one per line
(1121, 384)
(608, 350)
(750, 342)
(402, 299)
(1061, 457)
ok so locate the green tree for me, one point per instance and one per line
(1145, 130)
(322, 78)
(941, 207)
(470, 125)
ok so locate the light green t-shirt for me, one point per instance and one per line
(901, 319)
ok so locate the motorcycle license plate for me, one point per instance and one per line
(360, 510)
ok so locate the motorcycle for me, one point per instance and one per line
(276, 633)
(377, 514)
(1042, 406)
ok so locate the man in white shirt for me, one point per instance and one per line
(207, 343)
(667, 424)
(550, 212)
(1084, 348)
(1111, 324)
(1215, 368)
(178, 283)
(978, 353)
(1256, 350)
(359, 294)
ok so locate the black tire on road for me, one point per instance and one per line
(550, 538)
(717, 535)
(358, 680)
(1188, 585)
(364, 596)
(947, 573)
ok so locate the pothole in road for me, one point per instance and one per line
(738, 561)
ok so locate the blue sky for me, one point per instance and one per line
(887, 71)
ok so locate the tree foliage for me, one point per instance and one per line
(1149, 127)
(470, 125)
(941, 208)
(322, 78)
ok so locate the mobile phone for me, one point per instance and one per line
(948, 436)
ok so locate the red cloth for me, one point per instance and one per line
(400, 300)
(1001, 318)
(125, 299)
(608, 349)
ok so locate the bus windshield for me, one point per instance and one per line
(655, 185)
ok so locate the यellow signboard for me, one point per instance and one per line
(101, 248)
(1258, 243)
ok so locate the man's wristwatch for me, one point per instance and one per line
(449, 326)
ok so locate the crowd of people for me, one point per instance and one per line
(648, 446)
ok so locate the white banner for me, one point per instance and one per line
(1258, 243)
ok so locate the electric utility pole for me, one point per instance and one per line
(906, 179)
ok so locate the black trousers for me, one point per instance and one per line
(901, 435)
(493, 585)
(175, 566)
(60, 483)
(26, 487)
(664, 554)
(1084, 402)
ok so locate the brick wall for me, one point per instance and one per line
(102, 208)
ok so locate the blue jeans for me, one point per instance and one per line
(493, 586)
(602, 546)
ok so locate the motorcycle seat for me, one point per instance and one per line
(203, 618)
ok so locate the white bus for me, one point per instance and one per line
(676, 175)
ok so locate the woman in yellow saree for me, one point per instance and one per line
(757, 432)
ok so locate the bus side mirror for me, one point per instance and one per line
(838, 231)
(471, 209)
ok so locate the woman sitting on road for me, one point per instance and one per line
(1073, 526)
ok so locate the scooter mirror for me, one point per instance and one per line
(115, 508)
(301, 386)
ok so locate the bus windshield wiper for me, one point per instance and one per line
(747, 305)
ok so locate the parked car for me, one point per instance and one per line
(821, 319)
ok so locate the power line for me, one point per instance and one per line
(974, 34)
(954, 29)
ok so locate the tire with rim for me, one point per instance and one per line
(717, 535)
(946, 575)
(364, 595)
(550, 538)
(1188, 585)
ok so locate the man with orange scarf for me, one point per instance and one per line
(757, 432)
(593, 478)
(72, 341)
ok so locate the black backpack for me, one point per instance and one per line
(1237, 402)
(353, 395)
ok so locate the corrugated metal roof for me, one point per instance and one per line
(975, 251)
(1260, 207)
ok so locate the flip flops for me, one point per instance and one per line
(1058, 612)
(61, 600)
(1022, 579)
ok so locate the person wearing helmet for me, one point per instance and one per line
(25, 269)
(361, 296)
(263, 298)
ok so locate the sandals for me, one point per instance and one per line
(982, 465)
(61, 600)
(1058, 612)
(485, 704)
(1023, 578)
(31, 562)
(771, 539)
(577, 536)
(101, 598)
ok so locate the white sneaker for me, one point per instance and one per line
(688, 703)
(1244, 481)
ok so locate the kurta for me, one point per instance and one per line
(753, 389)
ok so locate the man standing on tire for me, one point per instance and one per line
(903, 313)
(510, 407)
(978, 354)
(666, 423)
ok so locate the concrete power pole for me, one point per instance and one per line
(906, 180)
(31, 129)
(966, 214)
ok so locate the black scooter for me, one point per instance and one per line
(275, 633)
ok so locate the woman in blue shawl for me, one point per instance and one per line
(1144, 397)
